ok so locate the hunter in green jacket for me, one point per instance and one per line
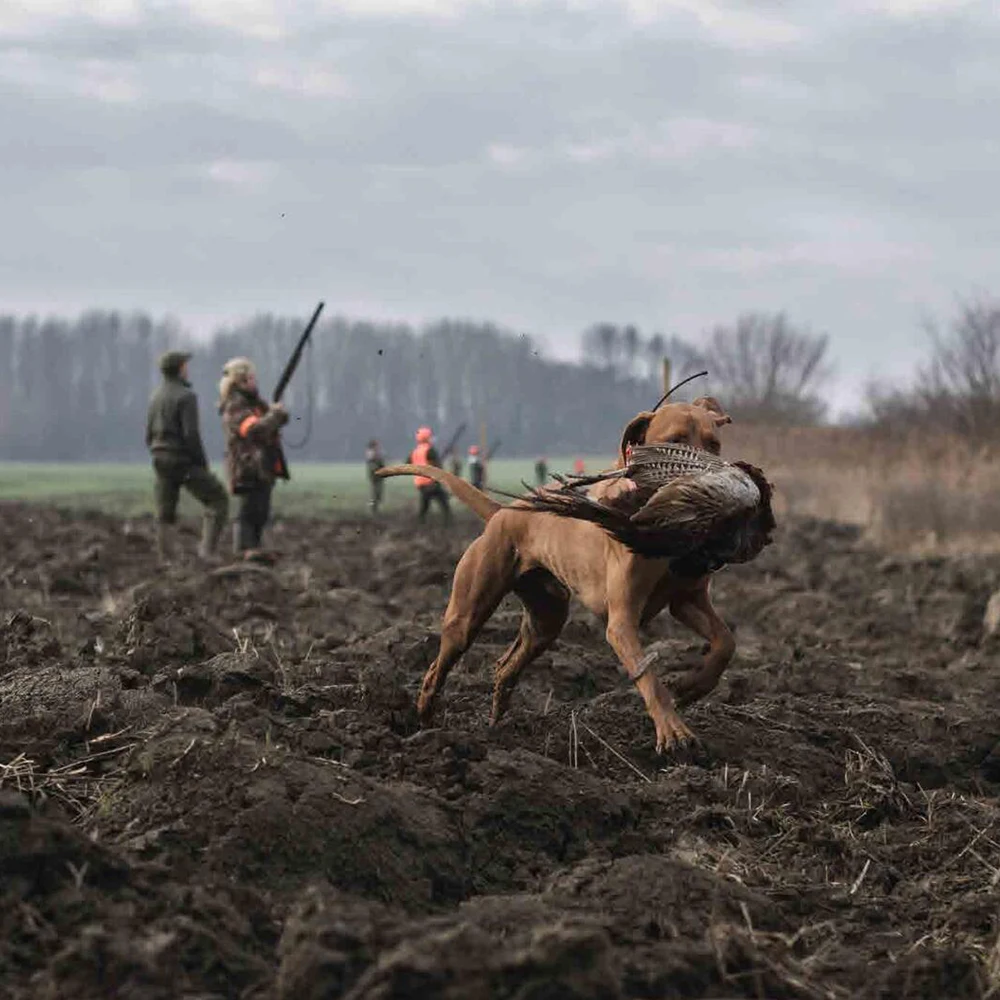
(173, 438)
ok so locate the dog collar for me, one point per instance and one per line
(644, 664)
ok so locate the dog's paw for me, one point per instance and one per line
(672, 736)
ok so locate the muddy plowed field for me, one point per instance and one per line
(214, 785)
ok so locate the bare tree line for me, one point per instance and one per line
(77, 389)
(766, 368)
(957, 390)
(769, 370)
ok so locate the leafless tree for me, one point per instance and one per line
(958, 389)
(767, 369)
(631, 344)
(601, 344)
(655, 350)
(961, 383)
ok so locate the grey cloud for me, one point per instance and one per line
(386, 195)
(161, 32)
(75, 132)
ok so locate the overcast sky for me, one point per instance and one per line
(540, 163)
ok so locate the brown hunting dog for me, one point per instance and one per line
(544, 559)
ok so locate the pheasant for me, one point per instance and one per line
(679, 503)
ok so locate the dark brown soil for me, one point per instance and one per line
(213, 785)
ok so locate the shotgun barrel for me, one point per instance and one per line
(293, 361)
(450, 447)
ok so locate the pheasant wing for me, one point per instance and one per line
(700, 502)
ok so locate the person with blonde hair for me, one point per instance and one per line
(255, 459)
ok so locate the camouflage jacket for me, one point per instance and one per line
(172, 423)
(254, 456)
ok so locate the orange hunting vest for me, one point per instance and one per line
(419, 457)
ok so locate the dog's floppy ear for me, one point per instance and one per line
(714, 407)
(634, 433)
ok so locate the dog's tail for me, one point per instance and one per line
(474, 499)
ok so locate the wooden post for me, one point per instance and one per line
(666, 375)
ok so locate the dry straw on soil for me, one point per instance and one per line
(79, 786)
(910, 493)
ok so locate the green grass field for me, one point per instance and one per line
(339, 487)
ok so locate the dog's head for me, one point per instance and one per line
(696, 424)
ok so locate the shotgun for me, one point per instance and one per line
(293, 361)
(450, 447)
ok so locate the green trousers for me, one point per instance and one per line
(173, 475)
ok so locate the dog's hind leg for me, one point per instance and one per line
(484, 574)
(546, 607)
(695, 610)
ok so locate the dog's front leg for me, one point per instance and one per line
(623, 637)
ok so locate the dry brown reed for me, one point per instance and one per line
(912, 493)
